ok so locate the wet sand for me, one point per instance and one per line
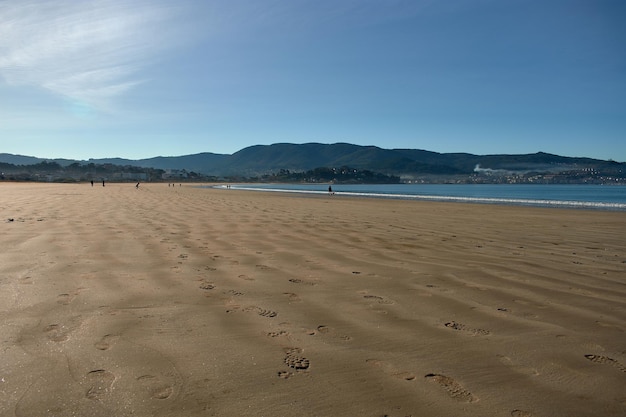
(162, 301)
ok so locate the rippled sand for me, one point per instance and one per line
(183, 301)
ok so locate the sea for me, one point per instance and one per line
(574, 196)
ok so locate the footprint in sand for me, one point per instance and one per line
(285, 374)
(246, 277)
(67, 298)
(56, 332)
(521, 413)
(278, 333)
(295, 360)
(327, 331)
(518, 368)
(265, 313)
(204, 285)
(375, 298)
(232, 307)
(391, 370)
(323, 329)
(26, 280)
(378, 299)
(606, 360)
(407, 376)
(64, 299)
(106, 342)
(292, 296)
(609, 325)
(458, 326)
(149, 370)
(100, 383)
(453, 388)
(300, 281)
(156, 388)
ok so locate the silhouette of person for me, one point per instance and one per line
(330, 190)
(103, 183)
(137, 186)
(92, 183)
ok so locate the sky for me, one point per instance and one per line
(143, 78)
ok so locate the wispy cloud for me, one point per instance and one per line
(89, 52)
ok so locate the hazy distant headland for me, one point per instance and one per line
(315, 162)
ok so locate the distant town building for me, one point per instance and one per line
(130, 176)
(175, 173)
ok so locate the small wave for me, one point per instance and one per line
(491, 200)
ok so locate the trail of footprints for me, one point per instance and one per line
(100, 381)
(206, 285)
(297, 363)
(100, 384)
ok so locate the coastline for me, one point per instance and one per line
(571, 196)
(192, 301)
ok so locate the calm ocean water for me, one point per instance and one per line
(600, 197)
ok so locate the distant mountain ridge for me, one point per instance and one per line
(263, 159)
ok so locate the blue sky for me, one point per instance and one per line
(143, 78)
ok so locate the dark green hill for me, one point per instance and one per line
(260, 160)
(201, 162)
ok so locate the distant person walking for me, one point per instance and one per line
(92, 183)
(103, 183)
(137, 186)
(330, 190)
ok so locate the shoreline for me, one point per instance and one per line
(188, 301)
(512, 201)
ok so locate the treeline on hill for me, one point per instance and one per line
(76, 172)
(343, 175)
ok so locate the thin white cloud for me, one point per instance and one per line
(90, 51)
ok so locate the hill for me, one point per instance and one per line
(409, 164)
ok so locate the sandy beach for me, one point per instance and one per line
(183, 301)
